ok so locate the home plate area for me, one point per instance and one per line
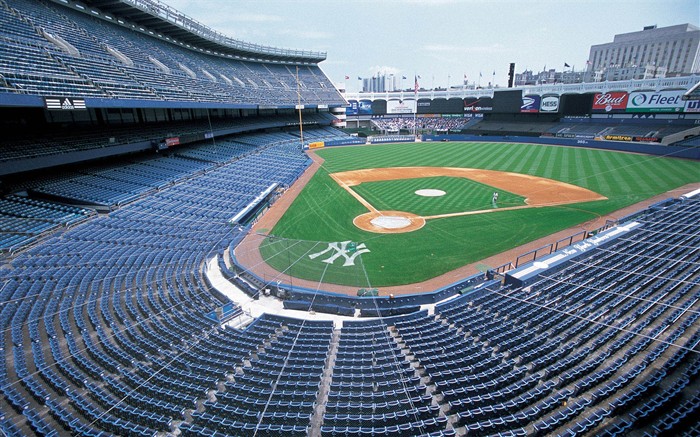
(395, 222)
(390, 222)
(385, 222)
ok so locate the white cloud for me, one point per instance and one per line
(384, 69)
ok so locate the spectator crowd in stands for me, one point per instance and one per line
(420, 123)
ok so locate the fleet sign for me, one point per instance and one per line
(661, 101)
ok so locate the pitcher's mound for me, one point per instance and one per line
(429, 192)
(386, 222)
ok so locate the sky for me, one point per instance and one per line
(442, 41)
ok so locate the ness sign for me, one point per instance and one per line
(661, 101)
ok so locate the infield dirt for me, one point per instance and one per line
(248, 252)
(537, 191)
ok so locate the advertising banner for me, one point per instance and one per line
(401, 106)
(353, 109)
(692, 106)
(646, 139)
(64, 103)
(425, 105)
(661, 101)
(483, 104)
(615, 101)
(618, 138)
(531, 103)
(365, 107)
(568, 135)
(549, 104)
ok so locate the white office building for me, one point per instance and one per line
(656, 52)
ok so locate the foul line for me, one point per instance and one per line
(354, 194)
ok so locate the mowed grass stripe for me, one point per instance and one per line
(480, 154)
(448, 243)
(561, 169)
(585, 174)
(622, 176)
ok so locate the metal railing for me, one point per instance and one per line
(159, 9)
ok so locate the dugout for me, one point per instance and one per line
(256, 206)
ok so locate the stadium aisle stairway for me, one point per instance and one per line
(105, 330)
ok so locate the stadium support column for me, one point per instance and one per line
(415, 98)
(511, 74)
(415, 126)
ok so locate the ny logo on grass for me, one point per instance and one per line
(346, 249)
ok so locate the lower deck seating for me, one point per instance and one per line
(105, 329)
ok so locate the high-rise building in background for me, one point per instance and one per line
(379, 83)
(650, 53)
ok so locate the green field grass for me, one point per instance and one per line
(323, 212)
(460, 195)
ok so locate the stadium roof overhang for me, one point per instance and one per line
(162, 19)
(693, 93)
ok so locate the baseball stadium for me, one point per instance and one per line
(206, 237)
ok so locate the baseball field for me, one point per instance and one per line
(393, 214)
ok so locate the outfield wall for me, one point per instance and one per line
(644, 148)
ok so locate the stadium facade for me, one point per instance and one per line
(652, 110)
(139, 146)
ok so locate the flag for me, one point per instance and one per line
(566, 65)
(415, 86)
(480, 74)
(494, 72)
(403, 77)
(359, 78)
(589, 62)
(347, 77)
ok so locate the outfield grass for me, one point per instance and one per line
(461, 195)
(323, 212)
